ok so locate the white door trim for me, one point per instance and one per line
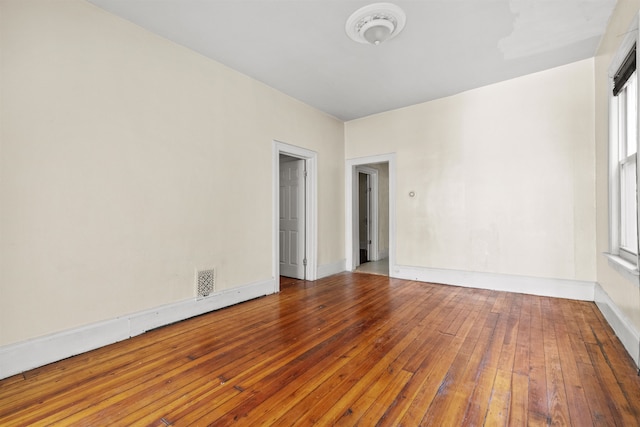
(373, 215)
(311, 191)
(351, 218)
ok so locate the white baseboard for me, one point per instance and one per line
(558, 288)
(620, 323)
(22, 356)
(326, 270)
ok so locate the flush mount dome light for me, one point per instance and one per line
(375, 23)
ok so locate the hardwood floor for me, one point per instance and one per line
(349, 349)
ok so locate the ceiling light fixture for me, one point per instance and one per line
(375, 23)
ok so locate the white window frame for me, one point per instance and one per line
(621, 259)
(626, 250)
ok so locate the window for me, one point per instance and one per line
(624, 149)
(627, 153)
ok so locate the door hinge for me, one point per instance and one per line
(305, 174)
(304, 262)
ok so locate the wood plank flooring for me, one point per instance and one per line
(351, 349)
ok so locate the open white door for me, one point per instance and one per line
(310, 200)
(292, 217)
(367, 212)
(364, 218)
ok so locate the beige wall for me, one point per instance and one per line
(383, 206)
(126, 162)
(624, 293)
(503, 175)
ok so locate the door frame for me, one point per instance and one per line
(311, 208)
(352, 243)
(372, 248)
(298, 270)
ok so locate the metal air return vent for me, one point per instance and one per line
(205, 283)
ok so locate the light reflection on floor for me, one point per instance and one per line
(380, 267)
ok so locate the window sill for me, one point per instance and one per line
(627, 269)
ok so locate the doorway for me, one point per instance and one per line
(292, 232)
(302, 204)
(364, 212)
(370, 214)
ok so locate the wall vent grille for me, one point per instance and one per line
(206, 283)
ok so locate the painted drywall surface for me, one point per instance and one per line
(503, 176)
(128, 161)
(624, 293)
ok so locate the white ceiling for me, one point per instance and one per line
(448, 46)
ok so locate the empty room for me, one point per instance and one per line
(319, 212)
